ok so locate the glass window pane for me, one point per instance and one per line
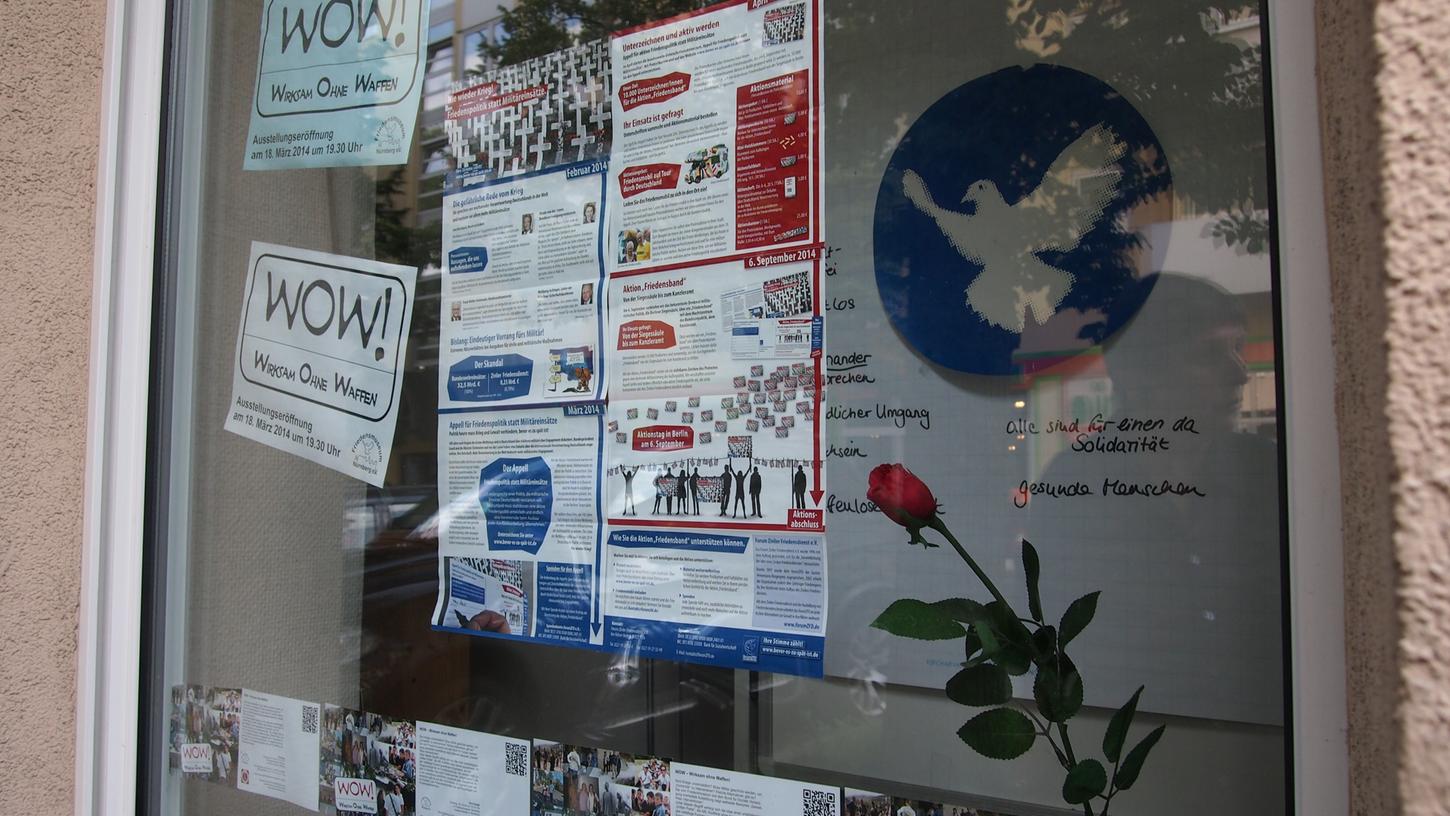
(763, 254)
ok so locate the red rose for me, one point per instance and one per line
(904, 498)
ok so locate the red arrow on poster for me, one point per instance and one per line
(816, 491)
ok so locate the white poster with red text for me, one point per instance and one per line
(713, 472)
(717, 136)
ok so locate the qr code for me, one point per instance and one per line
(818, 803)
(309, 719)
(515, 759)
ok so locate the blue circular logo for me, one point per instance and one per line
(1003, 224)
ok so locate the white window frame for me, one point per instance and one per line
(109, 647)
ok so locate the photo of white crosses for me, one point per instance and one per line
(569, 122)
(785, 25)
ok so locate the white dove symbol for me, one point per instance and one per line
(1005, 238)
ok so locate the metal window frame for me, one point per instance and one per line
(129, 189)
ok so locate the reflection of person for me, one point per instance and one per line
(528, 224)
(755, 492)
(629, 489)
(905, 810)
(1203, 512)
(589, 213)
(487, 621)
(798, 487)
(586, 294)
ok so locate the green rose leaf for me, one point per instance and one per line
(1044, 640)
(1086, 780)
(1118, 728)
(1058, 695)
(919, 620)
(1015, 659)
(1001, 733)
(1004, 620)
(983, 685)
(982, 628)
(1044, 645)
(1033, 568)
(1078, 615)
(1133, 763)
(972, 642)
(959, 609)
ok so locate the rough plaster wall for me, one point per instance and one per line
(1350, 105)
(49, 106)
(1413, 40)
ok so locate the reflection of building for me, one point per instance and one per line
(410, 213)
(460, 30)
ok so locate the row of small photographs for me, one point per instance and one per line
(367, 747)
(865, 803)
(205, 727)
(573, 780)
(567, 780)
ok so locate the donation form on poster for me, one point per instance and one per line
(319, 361)
(716, 134)
(338, 83)
(468, 773)
(279, 746)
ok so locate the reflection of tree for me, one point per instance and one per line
(394, 241)
(1174, 55)
(1172, 59)
(538, 27)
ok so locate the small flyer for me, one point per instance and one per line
(717, 138)
(279, 744)
(320, 352)
(368, 763)
(523, 291)
(338, 83)
(468, 773)
(701, 791)
(576, 779)
(536, 114)
(204, 731)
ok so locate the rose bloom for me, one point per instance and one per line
(904, 498)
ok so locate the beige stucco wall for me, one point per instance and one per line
(1385, 88)
(1413, 40)
(50, 62)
